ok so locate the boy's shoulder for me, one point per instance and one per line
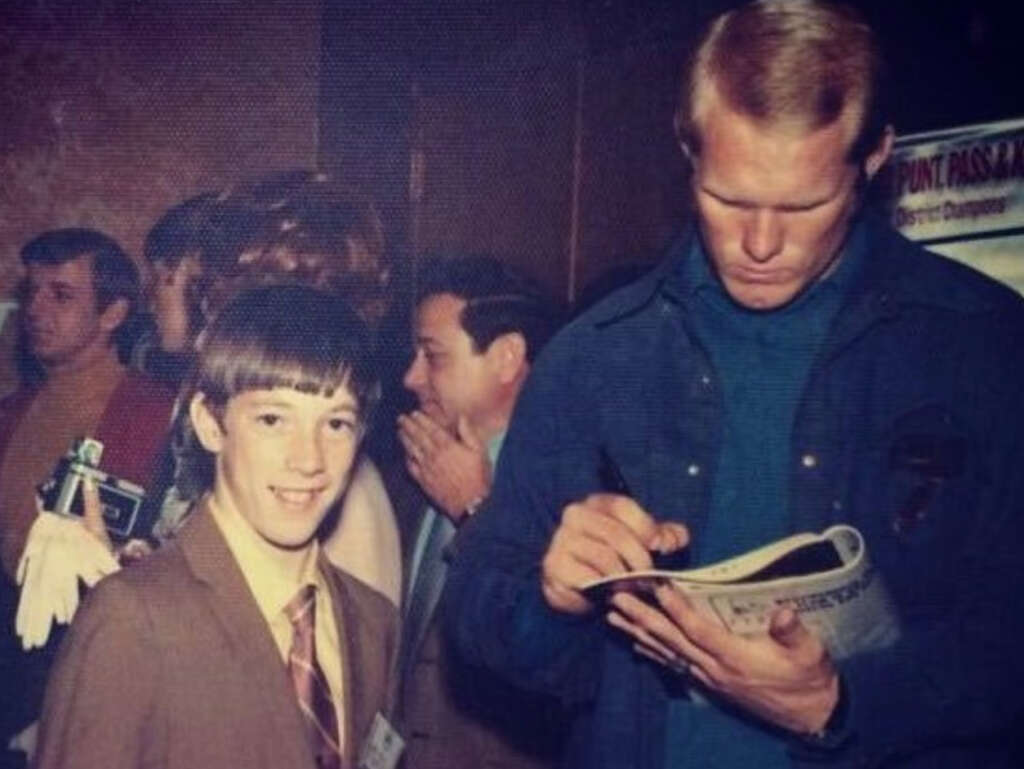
(161, 586)
(156, 583)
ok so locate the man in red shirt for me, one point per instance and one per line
(80, 297)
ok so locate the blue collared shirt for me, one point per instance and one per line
(761, 360)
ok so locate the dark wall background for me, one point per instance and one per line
(535, 130)
(112, 110)
(541, 131)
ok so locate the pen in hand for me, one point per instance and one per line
(614, 482)
(610, 475)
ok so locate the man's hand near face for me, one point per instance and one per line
(602, 535)
(785, 677)
(453, 470)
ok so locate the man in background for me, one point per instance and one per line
(80, 297)
(793, 363)
(477, 330)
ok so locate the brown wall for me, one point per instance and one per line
(539, 129)
(112, 110)
(633, 188)
(497, 168)
(538, 132)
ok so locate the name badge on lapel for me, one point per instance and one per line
(382, 747)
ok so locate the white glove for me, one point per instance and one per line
(59, 551)
(25, 741)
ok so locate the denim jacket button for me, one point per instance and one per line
(693, 470)
(810, 461)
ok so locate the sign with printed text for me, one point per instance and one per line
(960, 192)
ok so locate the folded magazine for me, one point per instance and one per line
(826, 578)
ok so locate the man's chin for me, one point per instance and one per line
(761, 297)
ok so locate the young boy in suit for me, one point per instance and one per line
(239, 644)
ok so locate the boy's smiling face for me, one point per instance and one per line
(283, 457)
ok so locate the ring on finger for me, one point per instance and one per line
(678, 665)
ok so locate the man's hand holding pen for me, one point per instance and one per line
(602, 535)
(785, 677)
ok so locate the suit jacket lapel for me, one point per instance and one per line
(352, 684)
(363, 661)
(425, 588)
(207, 554)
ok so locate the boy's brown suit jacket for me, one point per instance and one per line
(170, 664)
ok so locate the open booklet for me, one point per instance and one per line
(827, 578)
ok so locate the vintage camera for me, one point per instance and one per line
(121, 500)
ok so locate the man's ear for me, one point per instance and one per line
(114, 315)
(205, 424)
(508, 354)
(876, 159)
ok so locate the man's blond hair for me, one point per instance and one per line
(800, 64)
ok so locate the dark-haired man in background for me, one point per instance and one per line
(793, 363)
(477, 330)
(79, 300)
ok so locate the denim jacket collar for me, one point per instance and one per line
(887, 283)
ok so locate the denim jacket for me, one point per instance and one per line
(911, 428)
